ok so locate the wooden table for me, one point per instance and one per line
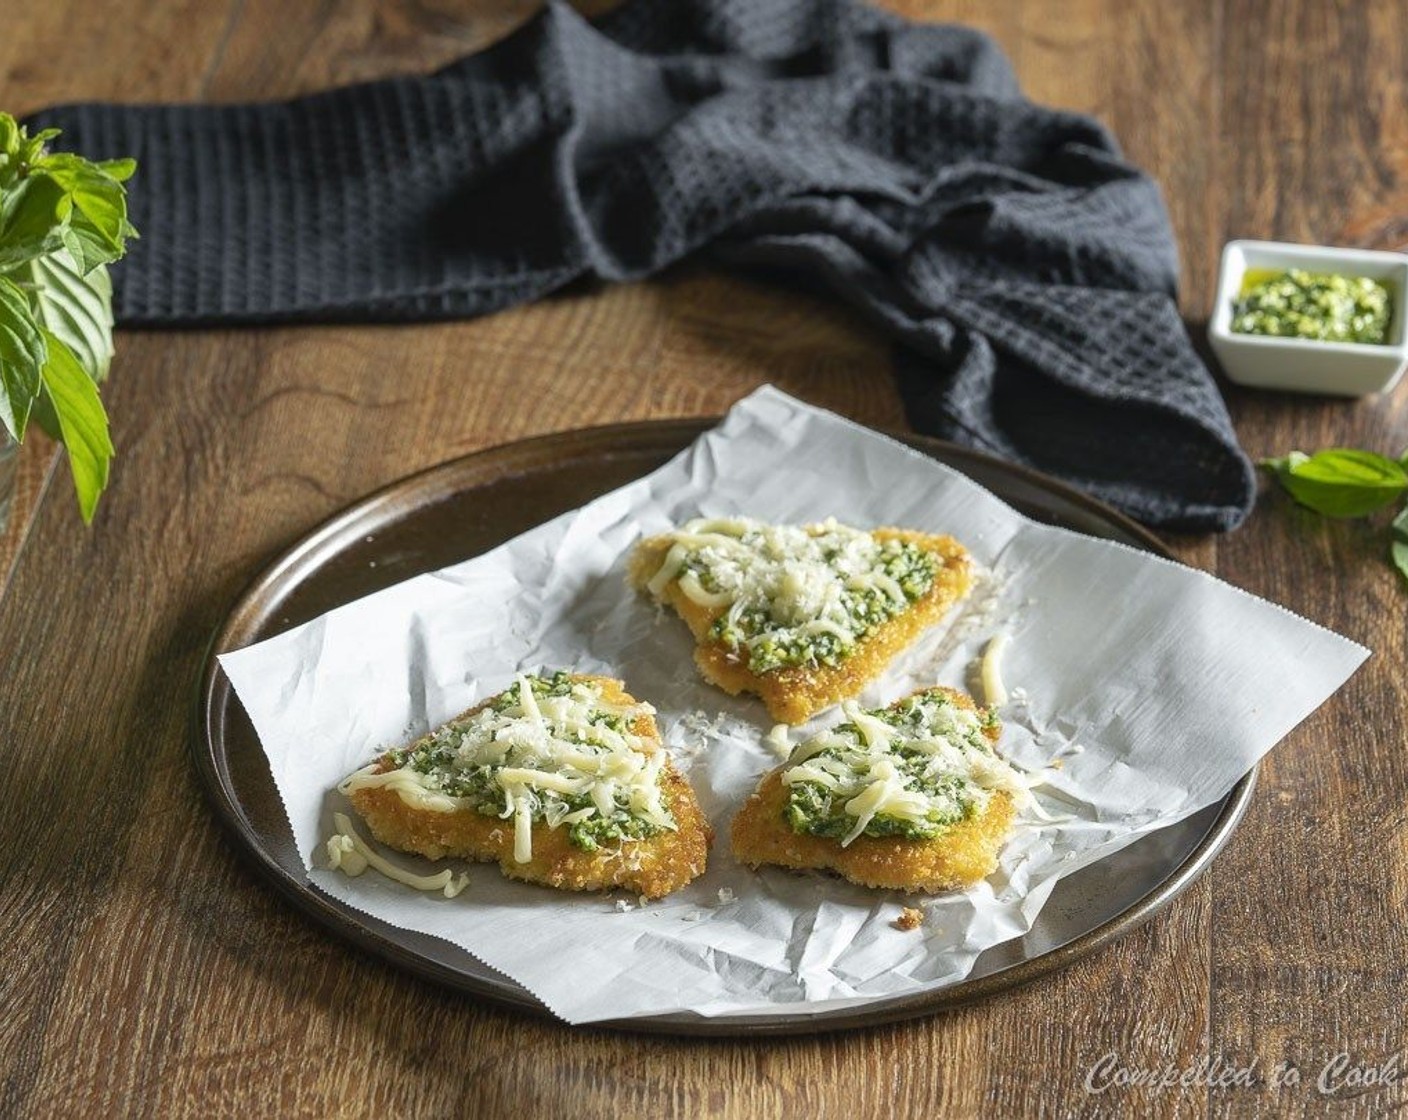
(147, 971)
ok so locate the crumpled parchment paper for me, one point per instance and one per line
(1155, 685)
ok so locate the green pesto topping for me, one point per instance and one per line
(797, 596)
(1319, 306)
(912, 771)
(569, 759)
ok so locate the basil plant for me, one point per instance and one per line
(63, 220)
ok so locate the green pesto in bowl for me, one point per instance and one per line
(1312, 306)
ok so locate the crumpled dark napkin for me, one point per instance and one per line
(1027, 272)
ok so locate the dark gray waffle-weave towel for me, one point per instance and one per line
(1026, 270)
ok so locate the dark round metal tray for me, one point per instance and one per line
(465, 507)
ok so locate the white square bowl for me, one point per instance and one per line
(1345, 369)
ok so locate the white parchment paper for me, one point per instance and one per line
(1156, 685)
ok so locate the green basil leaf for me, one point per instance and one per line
(33, 215)
(119, 169)
(65, 200)
(1399, 551)
(1341, 482)
(22, 356)
(1349, 465)
(1400, 524)
(99, 227)
(82, 421)
(9, 135)
(75, 307)
(32, 149)
(44, 415)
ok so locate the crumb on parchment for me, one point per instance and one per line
(911, 917)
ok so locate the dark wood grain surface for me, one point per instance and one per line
(148, 972)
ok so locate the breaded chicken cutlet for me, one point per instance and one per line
(802, 616)
(912, 797)
(561, 780)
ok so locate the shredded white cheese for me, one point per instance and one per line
(546, 752)
(799, 575)
(412, 788)
(350, 854)
(994, 691)
(777, 740)
(861, 768)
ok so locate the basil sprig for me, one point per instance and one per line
(1343, 482)
(63, 219)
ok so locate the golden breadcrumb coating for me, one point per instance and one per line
(653, 866)
(961, 855)
(795, 694)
